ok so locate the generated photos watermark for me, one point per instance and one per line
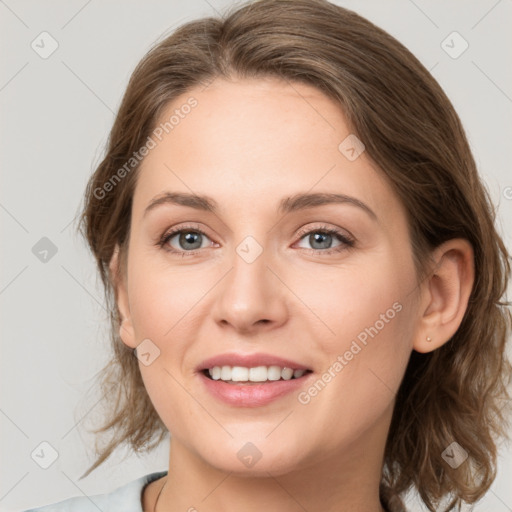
(357, 345)
(151, 143)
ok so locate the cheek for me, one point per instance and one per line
(376, 322)
(161, 303)
(363, 300)
(369, 310)
(164, 303)
(161, 297)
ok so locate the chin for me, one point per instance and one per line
(247, 460)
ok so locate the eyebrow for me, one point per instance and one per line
(287, 205)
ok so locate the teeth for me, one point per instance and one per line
(256, 374)
(287, 373)
(273, 373)
(239, 374)
(225, 373)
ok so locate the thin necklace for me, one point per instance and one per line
(158, 497)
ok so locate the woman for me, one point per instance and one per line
(335, 330)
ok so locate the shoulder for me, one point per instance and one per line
(126, 498)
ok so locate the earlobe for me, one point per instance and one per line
(445, 295)
(117, 277)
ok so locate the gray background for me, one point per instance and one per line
(55, 117)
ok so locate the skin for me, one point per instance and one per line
(248, 144)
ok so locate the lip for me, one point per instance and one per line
(253, 394)
(249, 361)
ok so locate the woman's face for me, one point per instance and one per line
(254, 280)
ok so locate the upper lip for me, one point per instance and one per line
(249, 361)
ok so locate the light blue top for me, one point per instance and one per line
(127, 498)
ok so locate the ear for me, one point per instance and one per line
(445, 294)
(118, 279)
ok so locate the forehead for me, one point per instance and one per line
(256, 138)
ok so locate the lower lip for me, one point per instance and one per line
(251, 395)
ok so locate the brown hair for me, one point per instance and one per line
(413, 134)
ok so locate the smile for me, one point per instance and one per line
(241, 374)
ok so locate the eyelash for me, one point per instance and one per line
(347, 242)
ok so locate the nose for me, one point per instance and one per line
(251, 297)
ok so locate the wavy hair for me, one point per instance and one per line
(413, 134)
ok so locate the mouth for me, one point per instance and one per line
(242, 375)
(252, 380)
